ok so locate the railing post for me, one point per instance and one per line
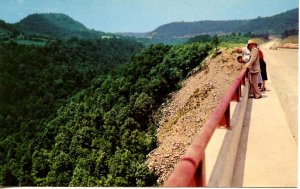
(226, 118)
(238, 93)
(200, 177)
(245, 77)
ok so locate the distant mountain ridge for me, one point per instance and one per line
(56, 25)
(189, 29)
(276, 24)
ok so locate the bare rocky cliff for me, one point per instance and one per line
(186, 111)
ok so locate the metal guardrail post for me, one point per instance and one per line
(226, 118)
(200, 174)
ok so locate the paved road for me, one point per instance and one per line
(282, 66)
(267, 154)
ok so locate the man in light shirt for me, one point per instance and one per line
(254, 68)
(244, 58)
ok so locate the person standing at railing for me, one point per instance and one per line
(254, 69)
(263, 69)
(244, 58)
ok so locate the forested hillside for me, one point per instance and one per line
(56, 26)
(189, 29)
(69, 117)
(225, 39)
(36, 81)
(4, 27)
(76, 110)
(276, 24)
(7, 30)
(43, 27)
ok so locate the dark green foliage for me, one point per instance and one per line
(103, 130)
(200, 38)
(56, 26)
(40, 29)
(287, 33)
(34, 83)
(276, 24)
(215, 42)
(232, 38)
(6, 28)
(183, 29)
(31, 76)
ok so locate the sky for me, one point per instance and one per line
(143, 15)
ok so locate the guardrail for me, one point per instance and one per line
(190, 170)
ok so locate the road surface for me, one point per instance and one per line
(282, 67)
(267, 154)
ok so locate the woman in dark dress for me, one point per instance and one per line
(263, 70)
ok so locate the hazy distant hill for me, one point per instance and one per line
(55, 25)
(189, 29)
(276, 24)
(6, 28)
(135, 34)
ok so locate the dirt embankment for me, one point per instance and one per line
(186, 111)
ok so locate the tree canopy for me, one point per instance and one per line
(79, 113)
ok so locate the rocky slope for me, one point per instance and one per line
(186, 111)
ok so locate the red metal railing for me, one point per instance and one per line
(190, 170)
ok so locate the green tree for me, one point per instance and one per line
(85, 117)
(215, 42)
